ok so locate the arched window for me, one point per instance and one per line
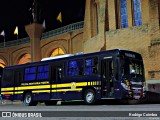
(25, 58)
(57, 51)
(2, 65)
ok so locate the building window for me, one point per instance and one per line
(94, 17)
(123, 14)
(137, 13)
(97, 31)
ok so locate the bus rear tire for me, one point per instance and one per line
(28, 100)
(89, 97)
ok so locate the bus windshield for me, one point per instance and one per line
(132, 67)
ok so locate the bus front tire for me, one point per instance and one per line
(89, 97)
(28, 100)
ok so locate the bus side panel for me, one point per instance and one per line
(7, 96)
(19, 97)
(79, 84)
(41, 97)
(56, 95)
(72, 95)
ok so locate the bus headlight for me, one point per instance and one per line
(125, 86)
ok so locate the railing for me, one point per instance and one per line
(65, 29)
(15, 42)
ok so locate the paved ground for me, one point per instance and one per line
(79, 111)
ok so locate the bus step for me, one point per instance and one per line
(107, 98)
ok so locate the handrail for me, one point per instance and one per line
(65, 29)
(59, 31)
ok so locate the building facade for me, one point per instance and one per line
(108, 24)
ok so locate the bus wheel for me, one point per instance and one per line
(28, 100)
(47, 103)
(89, 97)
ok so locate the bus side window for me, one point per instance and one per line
(72, 68)
(95, 66)
(75, 67)
(91, 65)
(43, 72)
(30, 73)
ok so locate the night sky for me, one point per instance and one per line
(16, 13)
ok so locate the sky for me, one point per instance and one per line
(16, 13)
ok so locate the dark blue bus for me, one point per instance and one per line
(113, 74)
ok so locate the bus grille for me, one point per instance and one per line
(137, 90)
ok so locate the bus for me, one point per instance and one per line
(112, 74)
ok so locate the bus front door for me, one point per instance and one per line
(107, 77)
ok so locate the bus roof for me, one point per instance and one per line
(69, 56)
(57, 57)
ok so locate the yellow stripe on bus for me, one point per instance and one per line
(19, 92)
(7, 89)
(33, 87)
(64, 85)
(89, 83)
(81, 84)
(53, 86)
(7, 93)
(26, 88)
(41, 91)
(65, 90)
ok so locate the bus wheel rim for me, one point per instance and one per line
(28, 99)
(89, 97)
